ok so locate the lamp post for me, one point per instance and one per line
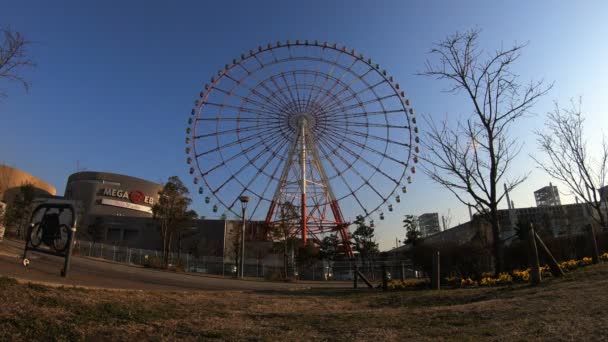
(244, 200)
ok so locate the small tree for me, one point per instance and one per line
(472, 157)
(328, 250)
(284, 231)
(412, 232)
(570, 161)
(363, 237)
(171, 211)
(20, 210)
(96, 230)
(412, 235)
(235, 241)
(13, 58)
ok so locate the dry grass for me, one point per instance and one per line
(574, 308)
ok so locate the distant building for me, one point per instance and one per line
(604, 194)
(12, 179)
(547, 196)
(429, 224)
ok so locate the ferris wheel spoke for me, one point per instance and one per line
(254, 102)
(368, 135)
(341, 175)
(313, 84)
(301, 101)
(293, 99)
(241, 169)
(230, 144)
(365, 124)
(347, 87)
(370, 113)
(240, 82)
(274, 173)
(239, 129)
(372, 166)
(241, 108)
(327, 76)
(362, 104)
(367, 148)
(235, 156)
(237, 119)
(338, 80)
(279, 101)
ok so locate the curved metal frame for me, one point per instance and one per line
(355, 115)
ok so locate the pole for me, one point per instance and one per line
(384, 278)
(303, 169)
(436, 278)
(243, 245)
(595, 254)
(535, 276)
(224, 251)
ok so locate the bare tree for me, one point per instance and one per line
(471, 157)
(13, 58)
(569, 159)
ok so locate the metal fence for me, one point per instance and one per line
(255, 268)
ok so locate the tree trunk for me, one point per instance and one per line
(496, 242)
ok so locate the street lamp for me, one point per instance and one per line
(244, 200)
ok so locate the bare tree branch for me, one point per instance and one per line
(569, 160)
(14, 58)
(471, 159)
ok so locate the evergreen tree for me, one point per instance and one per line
(363, 237)
(171, 211)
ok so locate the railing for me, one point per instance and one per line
(256, 268)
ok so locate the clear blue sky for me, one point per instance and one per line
(116, 79)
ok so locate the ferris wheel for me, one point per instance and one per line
(313, 126)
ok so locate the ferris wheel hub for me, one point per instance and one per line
(297, 120)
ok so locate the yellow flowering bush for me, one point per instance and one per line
(569, 265)
(586, 261)
(604, 256)
(521, 276)
(504, 279)
(467, 282)
(408, 284)
(488, 281)
(452, 281)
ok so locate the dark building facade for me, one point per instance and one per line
(104, 193)
(115, 208)
(547, 196)
(429, 224)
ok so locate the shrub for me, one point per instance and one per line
(521, 276)
(408, 284)
(452, 281)
(468, 282)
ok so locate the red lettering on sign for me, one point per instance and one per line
(137, 196)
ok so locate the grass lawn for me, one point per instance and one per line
(574, 308)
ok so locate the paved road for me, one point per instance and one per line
(100, 274)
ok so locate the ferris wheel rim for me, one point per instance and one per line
(261, 197)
